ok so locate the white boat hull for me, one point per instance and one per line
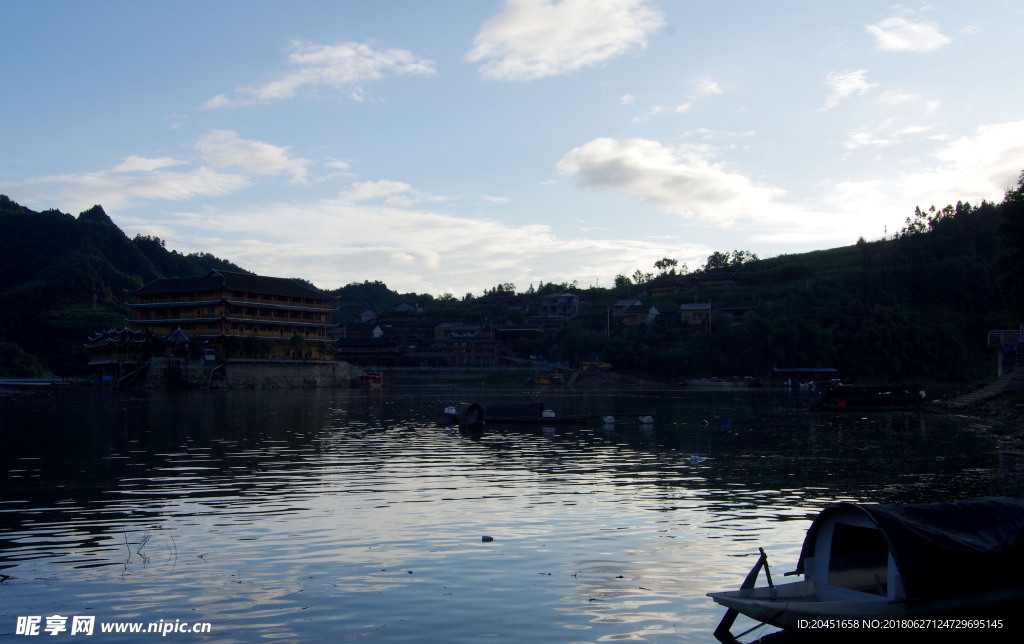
(797, 606)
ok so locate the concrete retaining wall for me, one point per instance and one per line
(173, 373)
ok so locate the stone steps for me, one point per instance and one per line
(989, 391)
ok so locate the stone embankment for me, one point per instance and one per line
(177, 373)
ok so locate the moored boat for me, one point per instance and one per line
(370, 380)
(528, 413)
(842, 397)
(470, 417)
(866, 563)
(550, 379)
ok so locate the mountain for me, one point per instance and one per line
(63, 277)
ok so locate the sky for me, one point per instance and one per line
(451, 146)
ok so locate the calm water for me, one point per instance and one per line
(353, 515)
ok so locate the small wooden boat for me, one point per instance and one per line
(470, 417)
(867, 564)
(550, 379)
(370, 380)
(841, 397)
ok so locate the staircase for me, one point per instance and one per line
(989, 391)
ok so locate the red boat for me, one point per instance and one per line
(371, 380)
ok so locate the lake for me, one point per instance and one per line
(354, 515)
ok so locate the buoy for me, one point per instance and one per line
(609, 420)
(703, 423)
(646, 419)
(486, 539)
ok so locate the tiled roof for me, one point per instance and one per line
(233, 281)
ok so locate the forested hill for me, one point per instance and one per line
(63, 277)
(917, 305)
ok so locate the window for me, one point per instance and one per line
(859, 559)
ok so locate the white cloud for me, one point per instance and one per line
(139, 178)
(343, 166)
(135, 163)
(984, 164)
(708, 87)
(538, 38)
(678, 179)
(225, 148)
(971, 168)
(627, 99)
(491, 200)
(364, 190)
(653, 110)
(220, 100)
(344, 67)
(845, 84)
(893, 97)
(119, 187)
(899, 34)
(409, 250)
(885, 135)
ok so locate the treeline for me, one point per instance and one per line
(915, 305)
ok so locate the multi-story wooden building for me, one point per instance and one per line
(223, 305)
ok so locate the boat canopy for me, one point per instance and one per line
(943, 548)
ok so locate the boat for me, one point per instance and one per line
(550, 379)
(475, 415)
(31, 382)
(470, 417)
(533, 413)
(370, 380)
(866, 565)
(843, 397)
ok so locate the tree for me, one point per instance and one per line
(298, 345)
(740, 257)
(717, 261)
(1011, 232)
(666, 265)
(639, 277)
(507, 288)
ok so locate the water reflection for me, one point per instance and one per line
(323, 515)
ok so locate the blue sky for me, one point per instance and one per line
(452, 146)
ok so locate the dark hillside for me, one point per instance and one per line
(63, 277)
(917, 305)
(357, 297)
